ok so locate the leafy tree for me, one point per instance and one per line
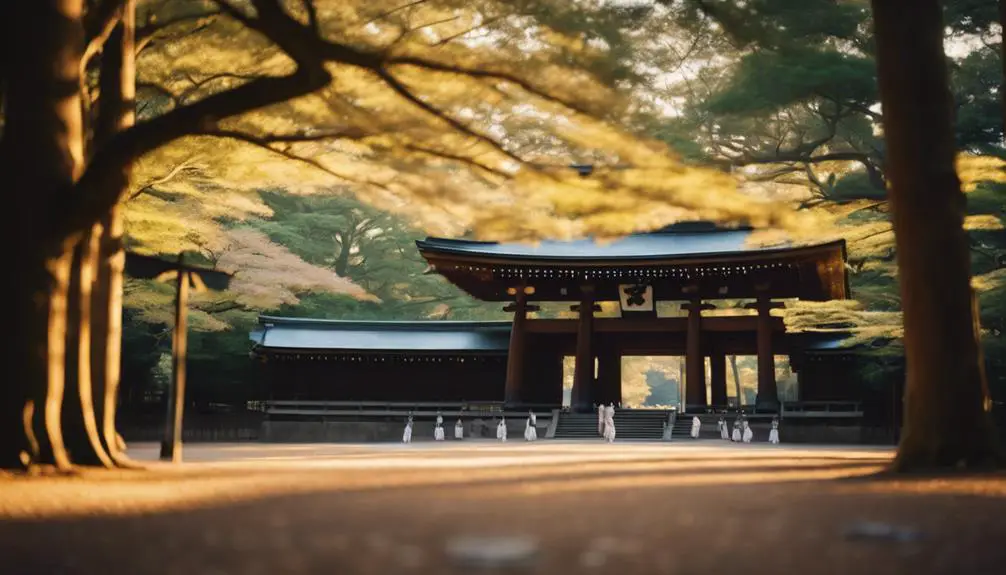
(374, 249)
(947, 421)
(402, 101)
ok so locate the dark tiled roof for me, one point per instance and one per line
(277, 333)
(681, 241)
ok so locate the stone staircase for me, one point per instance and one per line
(629, 424)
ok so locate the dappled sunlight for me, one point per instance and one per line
(249, 473)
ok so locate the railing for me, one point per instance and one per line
(786, 409)
(418, 409)
(821, 409)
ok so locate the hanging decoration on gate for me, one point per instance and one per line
(636, 297)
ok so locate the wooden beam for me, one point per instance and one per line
(583, 376)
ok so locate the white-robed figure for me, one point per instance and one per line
(530, 431)
(736, 436)
(696, 427)
(438, 431)
(501, 430)
(748, 434)
(600, 419)
(724, 429)
(609, 423)
(459, 430)
(407, 435)
(773, 436)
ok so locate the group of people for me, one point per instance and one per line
(530, 429)
(742, 432)
(606, 421)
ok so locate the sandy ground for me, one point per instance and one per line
(473, 507)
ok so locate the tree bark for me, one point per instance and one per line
(79, 426)
(41, 156)
(947, 423)
(737, 380)
(117, 112)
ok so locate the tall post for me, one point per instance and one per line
(515, 355)
(695, 364)
(171, 445)
(609, 377)
(583, 373)
(718, 378)
(768, 394)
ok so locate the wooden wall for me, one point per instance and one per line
(391, 379)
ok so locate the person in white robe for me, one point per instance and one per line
(609, 423)
(459, 430)
(438, 430)
(407, 435)
(724, 429)
(748, 433)
(696, 427)
(600, 419)
(773, 436)
(736, 436)
(530, 429)
(501, 430)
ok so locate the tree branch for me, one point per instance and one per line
(387, 13)
(483, 74)
(98, 26)
(178, 169)
(471, 162)
(89, 199)
(405, 93)
(264, 142)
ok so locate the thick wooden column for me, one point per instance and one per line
(583, 374)
(768, 393)
(515, 354)
(718, 377)
(695, 364)
(609, 377)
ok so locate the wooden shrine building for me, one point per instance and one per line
(698, 266)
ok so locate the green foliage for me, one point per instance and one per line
(856, 185)
(767, 81)
(976, 81)
(663, 390)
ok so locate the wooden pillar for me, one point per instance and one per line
(515, 355)
(768, 394)
(695, 364)
(609, 378)
(718, 378)
(583, 374)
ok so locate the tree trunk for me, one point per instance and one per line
(947, 423)
(79, 425)
(737, 380)
(41, 156)
(118, 88)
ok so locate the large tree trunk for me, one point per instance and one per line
(737, 380)
(79, 425)
(117, 112)
(41, 156)
(947, 422)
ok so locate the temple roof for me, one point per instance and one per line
(681, 262)
(679, 242)
(279, 334)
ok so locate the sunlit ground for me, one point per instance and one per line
(687, 507)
